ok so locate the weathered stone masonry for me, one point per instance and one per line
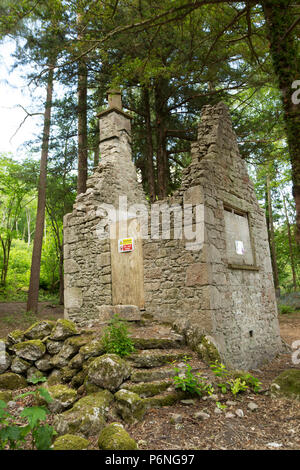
(216, 289)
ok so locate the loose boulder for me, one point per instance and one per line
(39, 330)
(31, 350)
(129, 406)
(11, 381)
(5, 361)
(71, 442)
(63, 397)
(87, 417)
(19, 366)
(63, 329)
(108, 371)
(114, 437)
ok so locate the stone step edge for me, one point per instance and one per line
(143, 361)
(148, 389)
(157, 343)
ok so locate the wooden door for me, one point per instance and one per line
(127, 268)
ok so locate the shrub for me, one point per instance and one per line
(191, 383)
(116, 339)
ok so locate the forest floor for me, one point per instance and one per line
(275, 423)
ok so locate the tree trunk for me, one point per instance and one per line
(97, 148)
(150, 165)
(284, 51)
(271, 236)
(82, 120)
(161, 153)
(32, 302)
(292, 258)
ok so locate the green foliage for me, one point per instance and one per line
(234, 382)
(285, 309)
(195, 384)
(14, 435)
(116, 339)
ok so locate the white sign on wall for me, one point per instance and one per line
(239, 247)
(126, 245)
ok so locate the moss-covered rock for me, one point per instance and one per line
(78, 379)
(67, 374)
(148, 389)
(19, 365)
(114, 437)
(152, 375)
(55, 377)
(31, 350)
(63, 329)
(14, 337)
(63, 397)
(90, 387)
(207, 349)
(157, 343)
(62, 359)
(53, 347)
(71, 442)
(5, 361)
(87, 417)
(130, 406)
(289, 384)
(94, 348)
(78, 341)
(12, 381)
(77, 361)
(155, 358)
(108, 371)
(44, 364)
(39, 330)
(5, 396)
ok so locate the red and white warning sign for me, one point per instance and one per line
(126, 244)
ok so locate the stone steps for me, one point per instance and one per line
(157, 343)
(159, 351)
(148, 389)
(147, 359)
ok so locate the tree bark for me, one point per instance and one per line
(161, 153)
(271, 236)
(82, 120)
(284, 51)
(150, 164)
(32, 302)
(292, 258)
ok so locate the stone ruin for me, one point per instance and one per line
(208, 272)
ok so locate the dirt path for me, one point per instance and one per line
(13, 315)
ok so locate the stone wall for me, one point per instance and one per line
(211, 286)
(87, 264)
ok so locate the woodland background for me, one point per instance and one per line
(169, 58)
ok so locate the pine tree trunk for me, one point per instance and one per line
(161, 153)
(284, 51)
(271, 237)
(97, 148)
(82, 121)
(150, 165)
(33, 293)
(292, 258)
